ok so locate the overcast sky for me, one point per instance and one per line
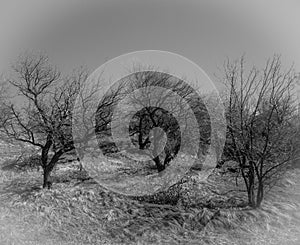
(90, 32)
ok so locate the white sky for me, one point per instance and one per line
(90, 32)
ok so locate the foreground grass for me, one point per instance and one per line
(76, 212)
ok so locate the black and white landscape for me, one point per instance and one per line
(157, 156)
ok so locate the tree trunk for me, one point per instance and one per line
(251, 196)
(251, 182)
(156, 139)
(44, 159)
(48, 167)
(140, 135)
(46, 178)
(160, 167)
(260, 194)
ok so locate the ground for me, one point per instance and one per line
(81, 212)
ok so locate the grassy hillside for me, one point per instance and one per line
(81, 212)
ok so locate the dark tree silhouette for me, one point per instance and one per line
(156, 129)
(44, 116)
(260, 114)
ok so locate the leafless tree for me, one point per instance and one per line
(156, 98)
(42, 115)
(261, 133)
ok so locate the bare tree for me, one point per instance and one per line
(260, 112)
(156, 98)
(42, 117)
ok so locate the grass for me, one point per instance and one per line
(76, 212)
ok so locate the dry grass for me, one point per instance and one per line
(76, 212)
